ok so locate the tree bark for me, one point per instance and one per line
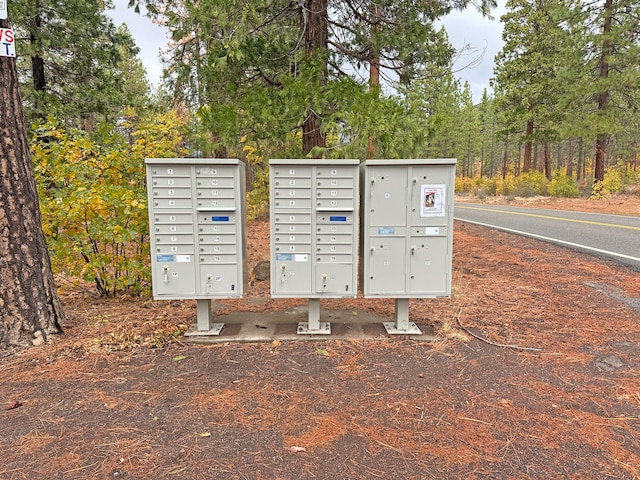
(37, 63)
(603, 97)
(528, 146)
(29, 302)
(505, 159)
(581, 162)
(316, 37)
(547, 160)
(374, 78)
(570, 156)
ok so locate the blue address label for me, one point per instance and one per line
(386, 231)
(337, 218)
(220, 219)
(284, 257)
(165, 258)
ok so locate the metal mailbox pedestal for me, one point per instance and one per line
(407, 232)
(314, 232)
(197, 230)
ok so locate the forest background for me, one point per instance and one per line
(315, 78)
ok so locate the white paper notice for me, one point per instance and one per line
(433, 200)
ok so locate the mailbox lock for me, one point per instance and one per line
(165, 270)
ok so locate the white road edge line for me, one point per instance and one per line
(552, 240)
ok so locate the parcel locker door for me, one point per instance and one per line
(387, 192)
(219, 279)
(431, 200)
(335, 278)
(429, 266)
(386, 274)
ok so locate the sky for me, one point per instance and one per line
(468, 32)
(479, 40)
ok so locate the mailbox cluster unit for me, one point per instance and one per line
(197, 219)
(314, 227)
(398, 212)
(407, 232)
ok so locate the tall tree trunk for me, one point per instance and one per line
(29, 302)
(37, 62)
(602, 138)
(547, 160)
(581, 163)
(528, 146)
(374, 83)
(493, 138)
(505, 159)
(374, 77)
(570, 153)
(316, 37)
(469, 160)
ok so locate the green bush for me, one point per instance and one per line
(464, 185)
(531, 184)
(563, 186)
(258, 197)
(613, 180)
(94, 202)
(506, 186)
(598, 191)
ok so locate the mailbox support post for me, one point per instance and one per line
(204, 324)
(314, 325)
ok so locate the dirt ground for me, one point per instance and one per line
(553, 392)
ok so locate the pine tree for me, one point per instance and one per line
(610, 36)
(29, 302)
(526, 73)
(292, 65)
(68, 54)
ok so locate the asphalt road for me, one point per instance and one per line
(614, 237)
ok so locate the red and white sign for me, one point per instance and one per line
(7, 43)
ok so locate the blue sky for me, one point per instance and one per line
(468, 31)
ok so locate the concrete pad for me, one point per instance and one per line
(283, 326)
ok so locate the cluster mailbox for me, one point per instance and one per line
(407, 232)
(197, 217)
(314, 231)
(404, 231)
